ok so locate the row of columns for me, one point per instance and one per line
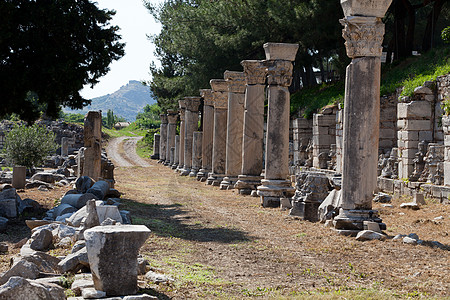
(228, 151)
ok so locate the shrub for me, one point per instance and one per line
(28, 146)
(446, 34)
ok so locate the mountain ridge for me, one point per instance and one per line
(127, 101)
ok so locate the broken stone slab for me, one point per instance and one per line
(409, 240)
(36, 223)
(91, 293)
(157, 278)
(58, 230)
(76, 219)
(74, 261)
(382, 198)
(78, 246)
(92, 218)
(23, 269)
(79, 284)
(47, 177)
(109, 211)
(63, 218)
(21, 288)
(140, 297)
(410, 205)
(367, 235)
(46, 263)
(112, 253)
(78, 200)
(419, 199)
(41, 240)
(83, 183)
(100, 189)
(330, 206)
(63, 209)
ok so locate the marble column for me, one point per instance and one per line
(220, 98)
(208, 131)
(182, 112)
(92, 165)
(253, 128)
(64, 146)
(191, 125)
(172, 117)
(363, 33)
(176, 155)
(196, 153)
(156, 146)
(275, 184)
(163, 139)
(235, 120)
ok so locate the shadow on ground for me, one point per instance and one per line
(174, 221)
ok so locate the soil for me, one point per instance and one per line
(218, 244)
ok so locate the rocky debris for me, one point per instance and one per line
(28, 206)
(47, 177)
(330, 206)
(382, 198)
(140, 297)
(74, 261)
(45, 263)
(368, 235)
(410, 205)
(100, 189)
(91, 293)
(3, 224)
(3, 248)
(23, 268)
(41, 240)
(78, 200)
(109, 211)
(419, 199)
(112, 252)
(157, 278)
(81, 283)
(142, 265)
(21, 288)
(9, 200)
(84, 183)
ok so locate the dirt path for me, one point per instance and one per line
(122, 151)
(218, 244)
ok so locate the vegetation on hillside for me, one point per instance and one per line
(108, 121)
(49, 50)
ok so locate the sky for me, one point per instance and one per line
(135, 24)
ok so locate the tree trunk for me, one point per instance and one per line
(409, 42)
(433, 16)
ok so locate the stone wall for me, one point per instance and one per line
(324, 135)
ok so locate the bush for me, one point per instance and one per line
(28, 146)
(446, 35)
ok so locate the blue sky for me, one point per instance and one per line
(135, 23)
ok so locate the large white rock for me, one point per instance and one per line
(112, 252)
(20, 288)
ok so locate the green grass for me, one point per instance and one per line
(408, 73)
(131, 131)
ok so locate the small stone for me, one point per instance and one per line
(79, 284)
(157, 278)
(41, 240)
(91, 293)
(142, 266)
(64, 243)
(410, 205)
(23, 269)
(410, 241)
(367, 235)
(382, 198)
(43, 188)
(74, 261)
(438, 218)
(398, 237)
(108, 221)
(419, 199)
(436, 244)
(387, 205)
(140, 297)
(3, 248)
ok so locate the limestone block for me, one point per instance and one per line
(386, 185)
(41, 240)
(409, 135)
(401, 124)
(320, 130)
(417, 125)
(77, 200)
(414, 110)
(19, 177)
(388, 113)
(23, 269)
(407, 170)
(324, 120)
(74, 261)
(301, 123)
(63, 209)
(324, 139)
(83, 183)
(108, 211)
(99, 189)
(426, 136)
(438, 135)
(387, 133)
(368, 8)
(412, 145)
(112, 253)
(446, 173)
(385, 144)
(21, 288)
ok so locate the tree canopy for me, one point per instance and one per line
(49, 49)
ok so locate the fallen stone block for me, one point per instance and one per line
(8, 208)
(47, 177)
(23, 269)
(80, 284)
(74, 261)
(157, 278)
(330, 206)
(3, 224)
(113, 252)
(29, 206)
(63, 209)
(91, 293)
(410, 205)
(382, 198)
(45, 263)
(21, 288)
(36, 223)
(367, 235)
(99, 189)
(84, 183)
(109, 211)
(41, 240)
(77, 200)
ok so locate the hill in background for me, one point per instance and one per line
(127, 102)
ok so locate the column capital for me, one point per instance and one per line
(279, 72)
(220, 93)
(280, 51)
(255, 71)
(368, 8)
(207, 97)
(235, 81)
(163, 118)
(363, 36)
(218, 85)
(172, 116)
(192, 103)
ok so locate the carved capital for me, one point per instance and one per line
(192, 103)
(182, 104)
(279, 72)
(172, 116)
(218, 85)
(207, 97)
(363, 36)
(220, 100)
(255, 71)
(163, 118)
(235, 81)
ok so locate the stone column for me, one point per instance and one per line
(156, 146)
(19, 178)
(176, 154)
(64, 146)
(92, 166)
(235, 122)
(172, 153)
(182, 111)
(208, 131)
(279, 67)
(220, 97)
(363, 33)
(172, 116)
(253, 127)
(191, 125)
(163, 139)
(196, 153)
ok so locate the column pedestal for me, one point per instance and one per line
(247, 183)
(271, 191)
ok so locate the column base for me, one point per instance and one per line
(351, 221)
(247, 183)
(215, 179)
(179, 168)
(193, 173)
(202, 175)
(228, 183)
(174, 166)
(155, 156)
(185, 171)
(271, 191)
(305, 210)
(167, 163)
